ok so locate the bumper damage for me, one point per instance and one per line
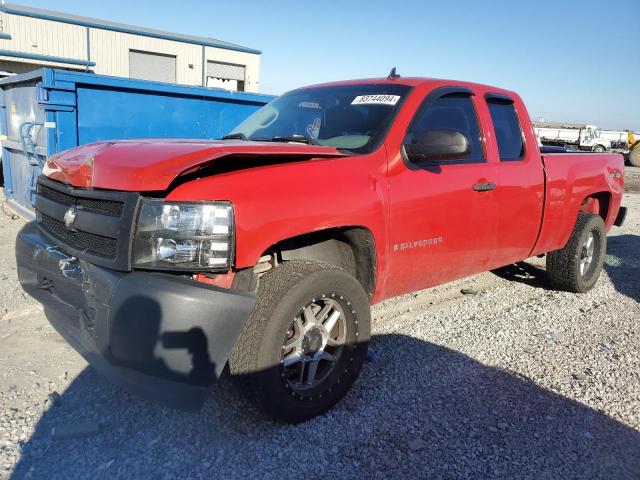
(160, 336)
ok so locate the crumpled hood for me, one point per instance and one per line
(152, 164)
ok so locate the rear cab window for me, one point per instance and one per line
(506, 126)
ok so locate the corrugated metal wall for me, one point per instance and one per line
(110, 50)
(251, 62)
(44, 37)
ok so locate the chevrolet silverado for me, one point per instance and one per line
(167, 263)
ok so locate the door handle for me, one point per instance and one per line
(484, 187)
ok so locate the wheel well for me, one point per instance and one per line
(598, 204)
(351, 248)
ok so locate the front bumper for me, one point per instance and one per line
(157, 335)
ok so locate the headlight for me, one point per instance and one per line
(184, 236)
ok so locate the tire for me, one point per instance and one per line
(634, 156)
(280, 391)
(599, 148)
(565, 267)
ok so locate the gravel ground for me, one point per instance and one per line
(515, 381)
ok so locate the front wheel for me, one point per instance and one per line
(599, 148)
(577, 266)
(305, 342)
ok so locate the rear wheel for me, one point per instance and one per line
(305, 342)
(577, 266)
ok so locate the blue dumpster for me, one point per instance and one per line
(50, 110)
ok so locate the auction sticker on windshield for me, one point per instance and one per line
(376, 100)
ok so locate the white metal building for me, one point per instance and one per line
(32, 38)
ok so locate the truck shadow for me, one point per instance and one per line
(523, 272)
(419, 409)
(622, 265)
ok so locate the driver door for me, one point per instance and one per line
(443, 213)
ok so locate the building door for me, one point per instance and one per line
(152, 66)
(226, 75)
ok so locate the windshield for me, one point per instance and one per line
(352, 117)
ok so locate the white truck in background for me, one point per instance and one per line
(579, 136)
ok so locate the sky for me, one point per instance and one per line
(570, 60)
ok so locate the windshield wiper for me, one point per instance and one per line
(294, 139)
(235, 136)
(277, 138)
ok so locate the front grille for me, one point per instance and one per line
(101, 225)
(107, 207)
(87, 242)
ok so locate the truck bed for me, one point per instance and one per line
(569, 179)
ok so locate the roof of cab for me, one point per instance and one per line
(414, 82)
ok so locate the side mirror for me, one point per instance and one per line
(441, 144)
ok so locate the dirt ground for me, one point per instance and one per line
(632, 179)
(514, 381)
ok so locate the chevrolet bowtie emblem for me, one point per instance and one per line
(70, 216)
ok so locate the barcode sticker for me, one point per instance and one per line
(376, 100)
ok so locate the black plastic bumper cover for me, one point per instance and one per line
(157, 335)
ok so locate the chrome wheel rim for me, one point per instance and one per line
(313, 343)
(586, 254)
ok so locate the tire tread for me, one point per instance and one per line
(562, 267)
(272, 287)
(246, 362)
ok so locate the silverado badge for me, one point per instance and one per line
(70, 216)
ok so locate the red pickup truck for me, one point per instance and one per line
(165, 261)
